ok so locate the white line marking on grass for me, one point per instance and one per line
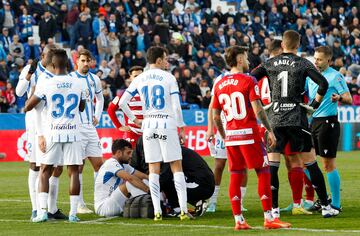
(101, 221)
(219, 227)
(25, 200)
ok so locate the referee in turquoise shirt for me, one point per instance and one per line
(325, 127)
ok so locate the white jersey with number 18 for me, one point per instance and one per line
(159, 92)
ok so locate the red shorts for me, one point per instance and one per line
(287, 150)
(250, 156)
(130, 137)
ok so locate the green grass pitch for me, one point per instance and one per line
(15, 209)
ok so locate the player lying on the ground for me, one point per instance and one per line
(117, 181)
(198, 175)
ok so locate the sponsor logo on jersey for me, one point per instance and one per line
(276, 107)
(63, 127)
(156, 136)
(287, 106)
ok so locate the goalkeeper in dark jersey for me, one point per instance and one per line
(287, 75)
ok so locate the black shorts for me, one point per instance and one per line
(298, 137)
(325, 133)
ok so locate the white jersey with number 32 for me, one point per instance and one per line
(62, 95)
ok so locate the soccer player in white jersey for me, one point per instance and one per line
(89, 119)
(159, 91)
(218, 151)
(116, 180)
(40, 117)
(63, 96)
(27, 81)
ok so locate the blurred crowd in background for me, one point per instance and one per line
(119, 32)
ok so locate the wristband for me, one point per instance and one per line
(315, 104)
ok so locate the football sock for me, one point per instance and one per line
(74, 201)
(268, 215)
(236, 178)
(214, 197)
(239, 218)
(264, 188)
(53, 194)
(296, 178)
(243, 193)
(81, 196)
(33, 175)
(318, 182)
(37, 193)
(155, 192)
(43, 198)
(334, 182)
(308, 188)
(274, 168)
(180, 186)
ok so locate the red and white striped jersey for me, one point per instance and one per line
(136, 106)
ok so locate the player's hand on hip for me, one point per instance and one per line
(124, 128)
(95, 121)
(42, 143)
(271, 140)
(137, 122)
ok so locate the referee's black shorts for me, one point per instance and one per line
(298, 137)
(325, 133)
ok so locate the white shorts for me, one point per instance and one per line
(161, 145)
(220, 150)
(90, 141)
(62, 154)
(31, 145)
(112, 205)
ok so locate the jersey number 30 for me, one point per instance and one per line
(59, 101)
(157, 97)
(233, 105)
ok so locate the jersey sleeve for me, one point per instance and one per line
(132, 89)
(116, 167)
(216, 103)
(128, 168)
(40, 90)
(259, 72)
(98, 87)
(254, 91)
(113, 107)
(23, 83)
(316, 76)
(340, 85)
(174, 88)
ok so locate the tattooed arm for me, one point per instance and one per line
(261, 115)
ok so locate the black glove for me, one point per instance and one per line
(33, 66)
(315, 104)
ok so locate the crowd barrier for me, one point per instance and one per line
(13, 135)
